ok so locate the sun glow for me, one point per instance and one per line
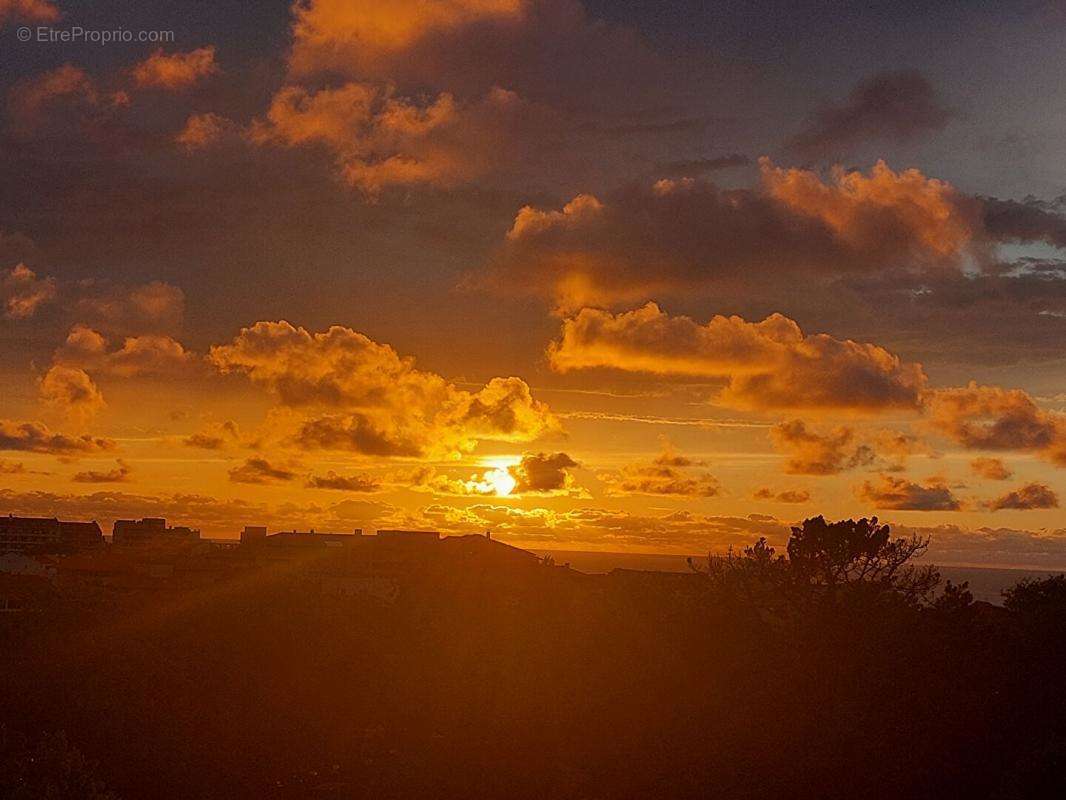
(501, 481)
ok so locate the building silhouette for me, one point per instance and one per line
(150, 531)
(47, 535)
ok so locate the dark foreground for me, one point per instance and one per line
(841, 673)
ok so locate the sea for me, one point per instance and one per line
(986, 583)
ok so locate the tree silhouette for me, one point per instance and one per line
(825, 561)
(859, 553)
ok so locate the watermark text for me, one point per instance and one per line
(75, 34)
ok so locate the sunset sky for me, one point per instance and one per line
(655, 276)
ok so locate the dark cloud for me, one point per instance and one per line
(215, 436)
(345, 483)
(1028, 220)
(356, 433)
(678, 235)
(1030, 496)
(259, 470)
(700, 166)
(35, 437)
(120, 474)
(543, 472)
(899, 494)
(1002, 547)
(784, 496)
(886, 107)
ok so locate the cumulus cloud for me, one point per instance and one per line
(359, 433)
(769, 365)
(28, 11)
(334, 34)
(543, 473)
(670, 457)
(784, 496)
(681, 234)
(891, 492)
(114, 308)
(362, 396)
(22, 292)
(259, 470)
(668, 474)
(813, 452)
(1029, 496)
(889, 106)
(992, 469)
(155, 307)
(344, 483)
(216, 436)
(32, 96)
(202, 131)
(175, 71)
(151, 354)
(36, 437)
(71, 392)
(120, 474)
(379, 139)
(992, 418)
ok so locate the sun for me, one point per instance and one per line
(501, 481)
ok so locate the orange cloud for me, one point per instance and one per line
(786, 496)
(332, 34)
(22, 292)
(175, 71)
(768, 365)
(201, 131)
(375, 401)
(668, 474)
(120, 474)
(993, 418)
(679, 234)
(151, 354)
(214, 437)
(154, 307)
(30, 97)
(35, 437)
(1028, 497)
(71, 392)
(902, 495)
(886, 215)
(608, 528)
(992, 469)
(380, 140)
(811, 452)
(28, 10)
